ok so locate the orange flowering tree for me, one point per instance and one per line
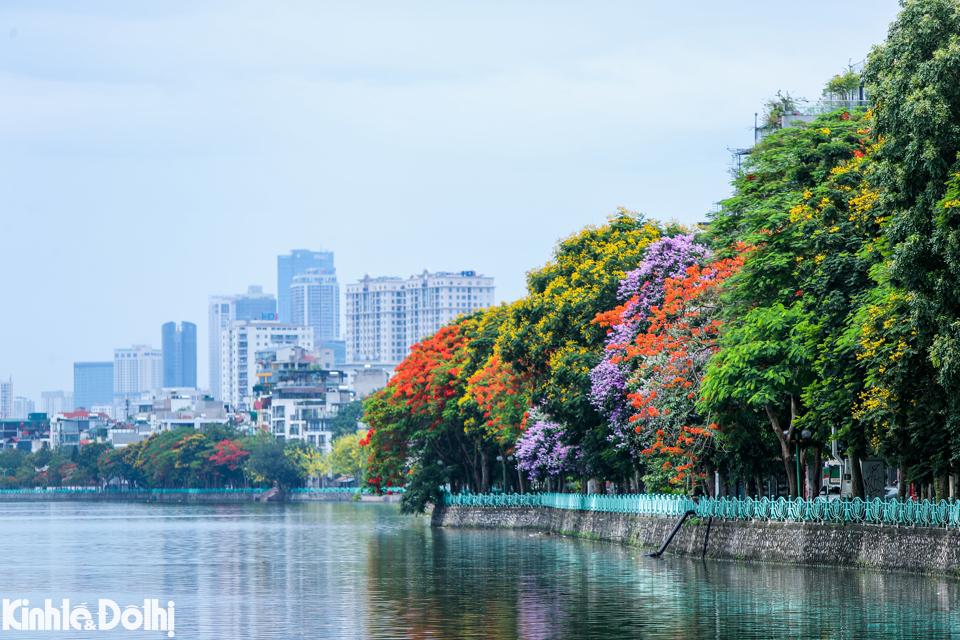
(666, 365)
(497, 394)
(428, 429)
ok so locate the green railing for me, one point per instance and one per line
(328, 490)
(877, 511)
(906, 512)
(653, 504)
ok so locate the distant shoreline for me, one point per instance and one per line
(187, 495)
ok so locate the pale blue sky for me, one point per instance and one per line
(154, 153)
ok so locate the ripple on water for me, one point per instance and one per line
(363, 571)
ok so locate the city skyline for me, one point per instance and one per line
(431, 149)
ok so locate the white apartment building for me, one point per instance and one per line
(254, 305)
(23, 407)
(55, 402)
(6, 399)
(238, 347)
(137, 369)
(305, 413)
(386, 315)
(315, 302)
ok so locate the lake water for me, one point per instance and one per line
(364, 571)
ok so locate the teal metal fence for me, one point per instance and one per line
(328, 490)
(661, 505)
(877, 511)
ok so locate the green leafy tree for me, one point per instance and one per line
(843, 86)
(307, 460)
(773, 338)
(88, 460)
(269, 464)
(345, 422)
(915, 81)
(123, 464)
(347, 457)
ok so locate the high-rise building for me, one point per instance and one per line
(6, 399)
(315, 302)
(23, 407)
(290, 266)
(179, 354)
(255, 305)
(137, 369)
(92, 384)
(386, 315)
(238, 350)
(54, 402)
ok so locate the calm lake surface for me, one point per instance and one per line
(364, 571)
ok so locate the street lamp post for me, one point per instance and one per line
(798, 437)
(805, 435)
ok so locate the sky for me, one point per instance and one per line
(155, 153)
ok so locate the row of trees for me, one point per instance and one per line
(823, 297)
(216, 457)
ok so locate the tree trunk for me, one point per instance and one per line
(942, 482)
(485, 472)
(856, 477)
(785, 452)
(710, 480)
(813, 477)
(901, 482)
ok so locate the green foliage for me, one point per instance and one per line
(347, 458)
(914, 79)
(345, 422)
(843, 86)
(270, 464)
(778, 106)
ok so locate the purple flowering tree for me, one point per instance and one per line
(541, 451)
(640, 290)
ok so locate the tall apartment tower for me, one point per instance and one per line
(255, 305)
(54, 402)
(137, 369)
(386, 315)
(238, 362)
(92, 384)
(179, 345)
(22, 408)
(315, 302)
(289, 267)
(6, 399)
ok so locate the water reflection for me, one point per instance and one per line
(363, 571)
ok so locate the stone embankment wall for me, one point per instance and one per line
(925, 549)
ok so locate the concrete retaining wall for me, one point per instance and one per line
(922, 549)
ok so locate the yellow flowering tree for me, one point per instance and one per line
(549, 336)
